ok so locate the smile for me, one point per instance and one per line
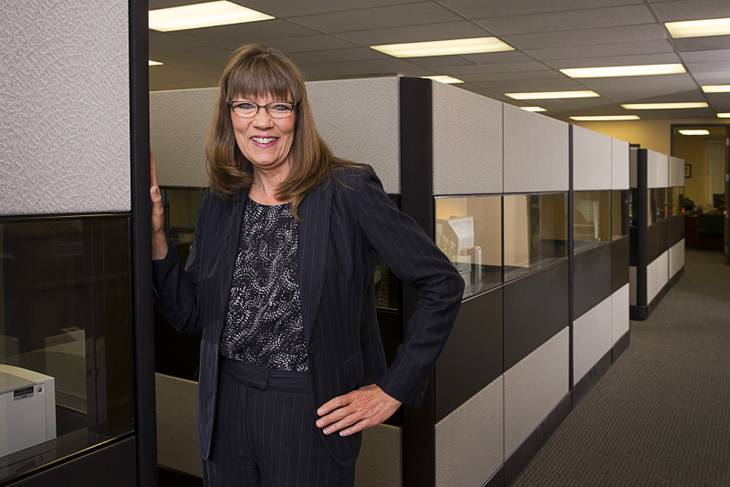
(264, 141)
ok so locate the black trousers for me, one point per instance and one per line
(265, 434)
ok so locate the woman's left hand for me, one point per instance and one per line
(357, 410)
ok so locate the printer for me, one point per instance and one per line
(27, 409)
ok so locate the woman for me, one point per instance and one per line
(280, 281)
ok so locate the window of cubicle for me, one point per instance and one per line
(620, 213)
(676, 203)
(469, 232)
(657, 205)
(66, 360)
(535, 232)
(591, 219)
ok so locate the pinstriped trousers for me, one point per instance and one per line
(265, 434)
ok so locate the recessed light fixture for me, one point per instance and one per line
(444, 48)
(716, 88)
(199, 15)
(604, 118)
(664, 106)
(616, 71)
(723, 115)
(699, 28)
(694, 132)
(533, 109)
(153, 63)
(445, 79)
(552, 95)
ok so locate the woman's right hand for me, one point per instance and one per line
(159, 240)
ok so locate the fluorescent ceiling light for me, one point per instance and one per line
(153, 63)
(694, 132)
(699, 28)
(664, 106)
(723, 115)
(200, 15)
(716, 88)
(533, 109)
(604, 118)
(445, 79)
(616, 71)
(444, 48)
(552, 95)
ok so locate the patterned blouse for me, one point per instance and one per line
(264, 318)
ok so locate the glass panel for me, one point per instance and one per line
(535, 232)
(66, 375)
(181, 211)
(657, 207)
(676, 204)
(468, 231)
(591, 219)
(620, 213)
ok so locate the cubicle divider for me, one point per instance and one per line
(491, 184)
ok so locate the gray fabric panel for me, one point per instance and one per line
(177, 441)
(380, 460)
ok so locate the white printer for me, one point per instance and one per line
(27, 409)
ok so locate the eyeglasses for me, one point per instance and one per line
(248, 109)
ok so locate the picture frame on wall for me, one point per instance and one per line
(688, 171)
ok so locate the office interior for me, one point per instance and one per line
(567, 230)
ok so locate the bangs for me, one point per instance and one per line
(264, 75)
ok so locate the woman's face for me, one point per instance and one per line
(264, 140)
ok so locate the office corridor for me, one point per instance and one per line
(661, 415)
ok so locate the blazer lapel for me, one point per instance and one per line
(314, 213)
(231, 222)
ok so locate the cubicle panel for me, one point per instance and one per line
(179, 121)
(656, 239)
(535, 152)
(676, 171)
(591, 279)
(619, 263)
(467, 147)
(65, 98)
(472, 357)
(619, 313)
(657, 166)
(657, 276)
(676, 258)
(536, 307)
(380, 463)
(360, 120)
(633, 284)
(620, 164)
(675, 229)
(533, 387)
(470, 440)
(592, 333)
(591, 160)
(177, 430)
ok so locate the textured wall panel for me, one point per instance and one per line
(64, 133)
(467, 142)
(676, 258)
(379, 463)
(657, 276)
(591, 338)
(532, 388)
(619, 313)
(633, 284)
(676, 171)
(657, 167)
(619, 164)
(469, 446)
(591, 160)
(535, 152)
(179, 122)
(177, 440)
(359, 119)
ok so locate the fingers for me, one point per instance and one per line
(153, 170)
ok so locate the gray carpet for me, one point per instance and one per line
(661, 414)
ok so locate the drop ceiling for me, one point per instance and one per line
(328, 39)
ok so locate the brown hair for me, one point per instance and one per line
(256, 70)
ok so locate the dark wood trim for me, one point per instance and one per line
(168, 477)
(640, 245)
(641, 313)
(497, 480)
(571, 256)
(591, 378)
(620, 346)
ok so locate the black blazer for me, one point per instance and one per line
(346, 222)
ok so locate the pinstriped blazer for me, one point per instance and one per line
(346, 222)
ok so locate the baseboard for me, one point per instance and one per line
(592, 376)
(641, 313)
(167, 477)
(497, 479)
(517, 462)
(620, 346)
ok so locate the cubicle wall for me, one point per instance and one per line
(492, 185)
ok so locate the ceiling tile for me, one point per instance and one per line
(378, 67)
(285, 9)
(568, 20)
(496, 68)
(171, 78)
(336, 55)
(161, 43)
(720, 102)
(716, 55)
(713, 78)
(415, 33)
(530, 85)
(666, 58)
(238, 34)
(498, 57)
(605, 35)
(703, 43)
(378, 18)
(474, 9)
(438, 61)
(542, 76)
(652, 46)
(309, 43)
(708, 67)
(692, 10)
(648, 87)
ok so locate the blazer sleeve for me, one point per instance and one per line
(174, 286)
(417, 262)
